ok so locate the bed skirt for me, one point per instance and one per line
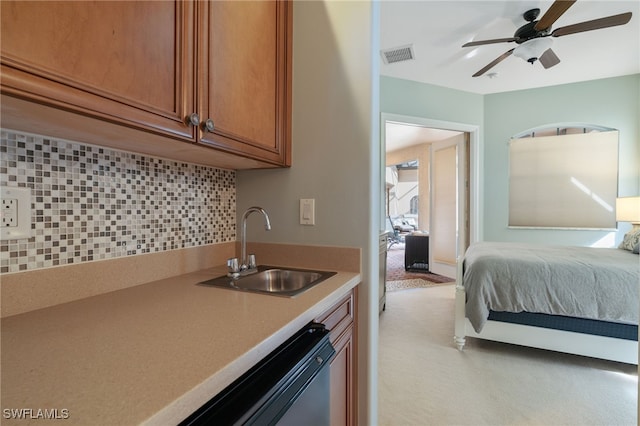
(577, 325)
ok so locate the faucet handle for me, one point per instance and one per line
(251, 261)
(232, 265)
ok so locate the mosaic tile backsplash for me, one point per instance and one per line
(92, 203)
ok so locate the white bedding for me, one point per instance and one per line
(584, 282)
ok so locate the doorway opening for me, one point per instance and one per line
(430, 194)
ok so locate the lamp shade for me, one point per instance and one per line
(628, 209)
(532, 49)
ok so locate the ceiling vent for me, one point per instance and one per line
(398, 54)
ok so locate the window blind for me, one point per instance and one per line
(567, 181)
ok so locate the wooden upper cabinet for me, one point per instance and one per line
(128, 62)
(245, 83)
(149, 65)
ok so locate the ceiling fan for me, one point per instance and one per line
(532, 38)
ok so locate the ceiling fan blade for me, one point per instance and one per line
(549, 59)
(555, 11)
(596, 24)
(495, 40)
(495, 62)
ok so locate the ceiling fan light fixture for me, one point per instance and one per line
(532, 49)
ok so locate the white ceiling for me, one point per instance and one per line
(438, 29)
(403, 135)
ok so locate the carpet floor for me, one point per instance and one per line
(399, 279)
(407, 284)
(424, 380)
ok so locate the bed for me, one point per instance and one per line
(579, 300)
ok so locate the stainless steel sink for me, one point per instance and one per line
(273, 280)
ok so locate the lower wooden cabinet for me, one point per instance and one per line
(340, 320)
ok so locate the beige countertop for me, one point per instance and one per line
(151, 354)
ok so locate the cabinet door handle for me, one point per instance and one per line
(193, 119)
(208, 125)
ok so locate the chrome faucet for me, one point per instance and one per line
(248, 263)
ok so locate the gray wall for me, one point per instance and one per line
(334, 131)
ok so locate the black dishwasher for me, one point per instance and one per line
(290, 386)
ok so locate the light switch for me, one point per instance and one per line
(307, 211)
(15, 213)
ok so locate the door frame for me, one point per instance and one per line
(475, 148)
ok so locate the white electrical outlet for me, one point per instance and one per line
(15, 213)
(9, 213)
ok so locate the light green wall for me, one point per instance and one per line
(411, 98)
(610, 102)
(334, 132)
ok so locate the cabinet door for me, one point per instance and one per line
(128, 62)
(340, 319)
(245, 77)
(342, 376)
